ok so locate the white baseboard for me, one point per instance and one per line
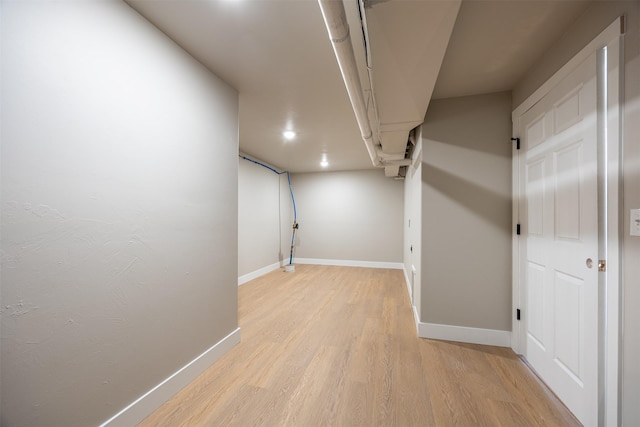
(408, 283)
(259, 272)
(417, 320)
(154, 398)
(465, 334)
(350, 263)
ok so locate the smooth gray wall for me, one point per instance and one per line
(264, 218)
(412, 253)
(119, 210)
(349, 216)
(466, 212)
(595, 19)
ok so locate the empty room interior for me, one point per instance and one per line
(319, 213)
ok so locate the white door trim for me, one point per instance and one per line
(611, 44)
(614, 62)
(611, 33)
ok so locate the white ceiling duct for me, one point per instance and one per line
(336, 21)
(405, 42)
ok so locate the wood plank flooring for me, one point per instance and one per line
(337, 346)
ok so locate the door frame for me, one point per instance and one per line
(609, 47)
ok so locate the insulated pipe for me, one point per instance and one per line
(367, 45)
(335, 19)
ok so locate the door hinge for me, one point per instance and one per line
(517, 314)
(518, 229)
(517, 140)
(602, 265)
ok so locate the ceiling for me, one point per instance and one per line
(278, 55)
(494, 43)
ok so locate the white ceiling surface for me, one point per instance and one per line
(278, 55)
(494, 42)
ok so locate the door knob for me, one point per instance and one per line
(589, 263)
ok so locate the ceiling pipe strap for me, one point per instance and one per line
(402, 162)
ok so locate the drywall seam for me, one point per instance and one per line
(351, 263)
(465, 334)
(257, 273)
(151, 400)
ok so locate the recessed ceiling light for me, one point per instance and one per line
(289, 134)
(324, 163)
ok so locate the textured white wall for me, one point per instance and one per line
(119, 210)
(466, 212)
(349, 216)
(264, 218)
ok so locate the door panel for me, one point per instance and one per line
(535, 132)
(568, 165)
(566, 112)
(570, 302)
(535, 314)
(535, 198)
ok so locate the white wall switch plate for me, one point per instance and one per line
(634, 226)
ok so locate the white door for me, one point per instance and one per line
(559, 257)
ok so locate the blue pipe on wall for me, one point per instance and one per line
(293, 201)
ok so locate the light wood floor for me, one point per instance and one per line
(337, 346)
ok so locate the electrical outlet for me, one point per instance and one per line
(634, 225)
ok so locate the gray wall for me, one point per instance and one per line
(413, 223)
(466, 212)
(590, 24)
(119, 210)
(349, 216)
(264, 218)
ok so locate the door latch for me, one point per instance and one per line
(602, 265)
